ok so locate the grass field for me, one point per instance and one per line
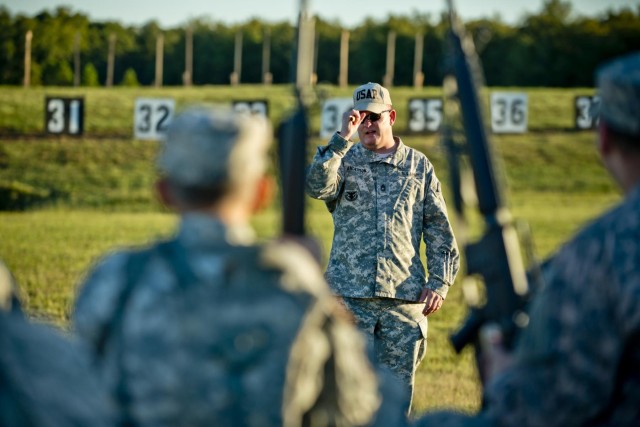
(97, 196)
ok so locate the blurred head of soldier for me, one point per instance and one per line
(214, 161)
(618, 84)
(377, 116)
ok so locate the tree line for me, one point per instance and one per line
(551, 48)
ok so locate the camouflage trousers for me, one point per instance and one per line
(396, 331)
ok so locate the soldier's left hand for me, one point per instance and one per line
(432, 301)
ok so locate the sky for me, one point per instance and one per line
(350, 14)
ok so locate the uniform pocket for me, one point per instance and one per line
(423, 324)
(424, 327)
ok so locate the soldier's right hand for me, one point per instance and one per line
(350, 121)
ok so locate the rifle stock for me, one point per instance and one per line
(495, 257)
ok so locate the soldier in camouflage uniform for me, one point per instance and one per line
(45, 380)
(210, 328)
(384, 198)
(578, 362)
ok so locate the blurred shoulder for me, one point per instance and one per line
(300, 270)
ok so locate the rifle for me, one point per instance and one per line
(293, 132)
(496, 255)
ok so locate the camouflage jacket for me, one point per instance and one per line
(45, 378)
(381, 210)
(578, 362)
(215, 330)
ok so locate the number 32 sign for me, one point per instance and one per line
(509, 112)
(151, 117)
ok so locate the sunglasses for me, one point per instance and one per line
(374, 117)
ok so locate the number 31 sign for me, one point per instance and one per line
(151, 117)
(64, 115)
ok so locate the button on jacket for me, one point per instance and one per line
(381, 208)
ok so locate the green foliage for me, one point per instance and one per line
(36, 74)
(130, 78)
(554, 47)
(90, 76)
(57, 74)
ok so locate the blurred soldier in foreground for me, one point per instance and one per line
(210, 328)
(578, 362)
(384, 198)
(45, 380)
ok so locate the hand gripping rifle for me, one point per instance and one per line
(496, 255)
(294, 130)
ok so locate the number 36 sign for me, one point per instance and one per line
(151, 117)
(509, 112)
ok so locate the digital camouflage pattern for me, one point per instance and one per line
(381, 210)
(619, 90)
(215, 145)
(223, 332)
(45, 379)
(578, 362)
(404, 329)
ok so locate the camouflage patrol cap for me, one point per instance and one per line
(371, 97)
(619, 89)
(208, 146)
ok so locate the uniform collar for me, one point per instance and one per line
(395, 159)
(197, 229)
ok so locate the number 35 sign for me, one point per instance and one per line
(151, 117)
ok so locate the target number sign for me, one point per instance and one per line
(509, 111)
(331, 115)
(585, 107)
(64, 115)
(151, 116)
(257, 106)
(425, 115)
